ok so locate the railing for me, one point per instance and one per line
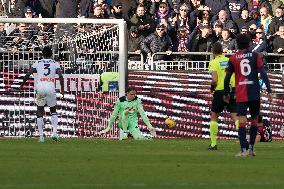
(178, 61)
(184, 61)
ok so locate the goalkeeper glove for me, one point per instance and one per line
(153, 131)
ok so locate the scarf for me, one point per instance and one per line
(161, 15)
(181, 45)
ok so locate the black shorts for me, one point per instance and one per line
(254, 108)
(218, 103)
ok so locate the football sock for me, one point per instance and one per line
(213, 132)
(242, 137)
(40, 123)
(253, 133)
(54, 122)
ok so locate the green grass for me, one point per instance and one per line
(158, 164)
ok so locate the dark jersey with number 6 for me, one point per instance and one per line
(246, 65)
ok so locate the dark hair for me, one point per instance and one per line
(243, 41)
(130, 88)
(226, 29)
(217, 48)
(47, 52)
(259, 118)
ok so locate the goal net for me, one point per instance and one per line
(92, 55)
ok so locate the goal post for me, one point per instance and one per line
(84, 55)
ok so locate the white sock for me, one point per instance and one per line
(54, 122)
(40, 123)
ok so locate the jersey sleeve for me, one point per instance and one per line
(143, 113)
(229, 72)
(114, 113)
(230, 68)
(212, 66)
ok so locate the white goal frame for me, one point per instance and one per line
(122, 41)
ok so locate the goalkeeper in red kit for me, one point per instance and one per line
(246, 65)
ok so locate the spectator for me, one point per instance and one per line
(224, 20)
(45, 8)
(205, 15)
(66, 8)
(278, 43)
(134, 40)
(244, 30)
(182, 19)
(104, 7)
(274, 5)
(144, 23)
(20, 37)
(159, 41)
(128, 7)
(116, 11)
(217, 31)
(252, 30)
(15, 8)
(98, 12)
(259, 43)
(193, 5)
(146, 4)
(179, 44)
(2, 34)
(228, 44)
(175, 4)
(86, 8)
(28, 12)
(2, 8)
(216, 6)
(235, 7)
(202, 43)
(265, 19)
(244, 20)
(163, 12)
(276, 21)
(255, 5)
(182, 40)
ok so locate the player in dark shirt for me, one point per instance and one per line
(246, 65)
(264, 131)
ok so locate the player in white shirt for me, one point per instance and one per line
(45, 71)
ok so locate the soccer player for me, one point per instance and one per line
(126, 108)
(264, 131)
(45, 71)
(217, 67)
(246, 65)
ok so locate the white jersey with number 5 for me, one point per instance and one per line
(44, 80)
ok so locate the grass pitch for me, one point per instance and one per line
(157, 164)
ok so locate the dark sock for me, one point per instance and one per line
(242, 136)
(252, 133)
(247, 144)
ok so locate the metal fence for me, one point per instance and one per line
(189, 61)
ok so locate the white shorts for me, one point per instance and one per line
(45, 94)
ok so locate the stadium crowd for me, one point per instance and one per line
(155, 25)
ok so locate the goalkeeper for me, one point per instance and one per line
(126, 108)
